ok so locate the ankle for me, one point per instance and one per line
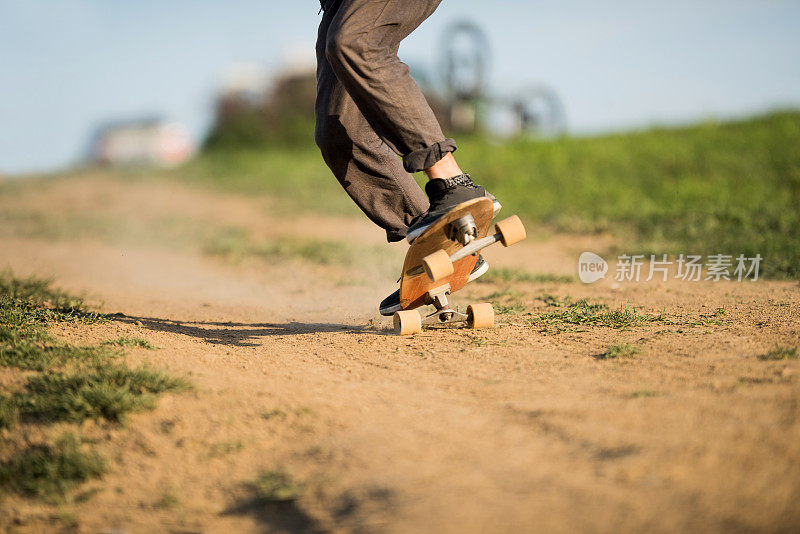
(447, 167)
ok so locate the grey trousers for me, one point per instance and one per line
(369, 110)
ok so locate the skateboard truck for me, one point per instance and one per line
(463, 230)
(410, 322)
(439, 265)
(444, 313)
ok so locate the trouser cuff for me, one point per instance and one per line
(393, 236)
(427, 157)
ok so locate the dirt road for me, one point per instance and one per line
(526, 427)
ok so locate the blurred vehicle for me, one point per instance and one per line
(149, 141)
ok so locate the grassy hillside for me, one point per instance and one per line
(730, 188)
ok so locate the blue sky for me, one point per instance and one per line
(67, 65)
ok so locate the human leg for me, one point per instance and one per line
(361, 47)
(366, 166)
(362, 44)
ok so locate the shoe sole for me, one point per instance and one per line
(388, 312)
(480, 272)
(414, 234)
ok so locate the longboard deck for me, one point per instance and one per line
(414, 283)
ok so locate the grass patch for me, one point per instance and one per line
(27, 305)
(9, 415)
(620, 350)
(510, 275)
(49, 471)
(779, 353)
(483, 341)
(104, 392)
(508, 302)
(169, 500)
(297, 177)
(28, 302)
(708, 319)
(130, 342)
(729, 188)
(510, 308)
(236, 245)
(46, 354)
(223, 449)
(581, 312)
(276, 486)
(713, 187)
(70, 384)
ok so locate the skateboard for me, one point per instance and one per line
(439, 263)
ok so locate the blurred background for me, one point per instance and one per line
(74, 66)
(670, 125)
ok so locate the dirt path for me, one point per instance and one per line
(519, 428)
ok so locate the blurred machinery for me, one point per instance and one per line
(148, 141)
(465, 71)
(255, 109)
(535, 110)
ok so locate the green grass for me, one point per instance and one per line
(49, 471)
(45, 354)
(218, 450)
(569, 312)
(779, 353)
(712, 188)
(231, 243)
(24, 317)
(620, 350)
(730, 188)
(643, 394)
(237, 244)
(708, 319)
(8, 411)
(509, 275)
(27, 305)
(508, 302)
(296, 177)
(130, 342)
(63, 383)
(170, 500)
(108, 392)
(276, 486)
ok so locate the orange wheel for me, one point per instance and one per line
(438, 265)
(480, 315)
(511, 231)
(407, 322)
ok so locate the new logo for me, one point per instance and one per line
(591, 268)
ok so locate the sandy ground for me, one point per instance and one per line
(518, 428)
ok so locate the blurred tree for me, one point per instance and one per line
(283, 116)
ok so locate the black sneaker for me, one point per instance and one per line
(444, 195)
(391, 304)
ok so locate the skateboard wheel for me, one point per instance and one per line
(407, 322)
(511, 231)
(438, 265)
(480, 315)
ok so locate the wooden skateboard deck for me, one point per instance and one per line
(414, 283)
